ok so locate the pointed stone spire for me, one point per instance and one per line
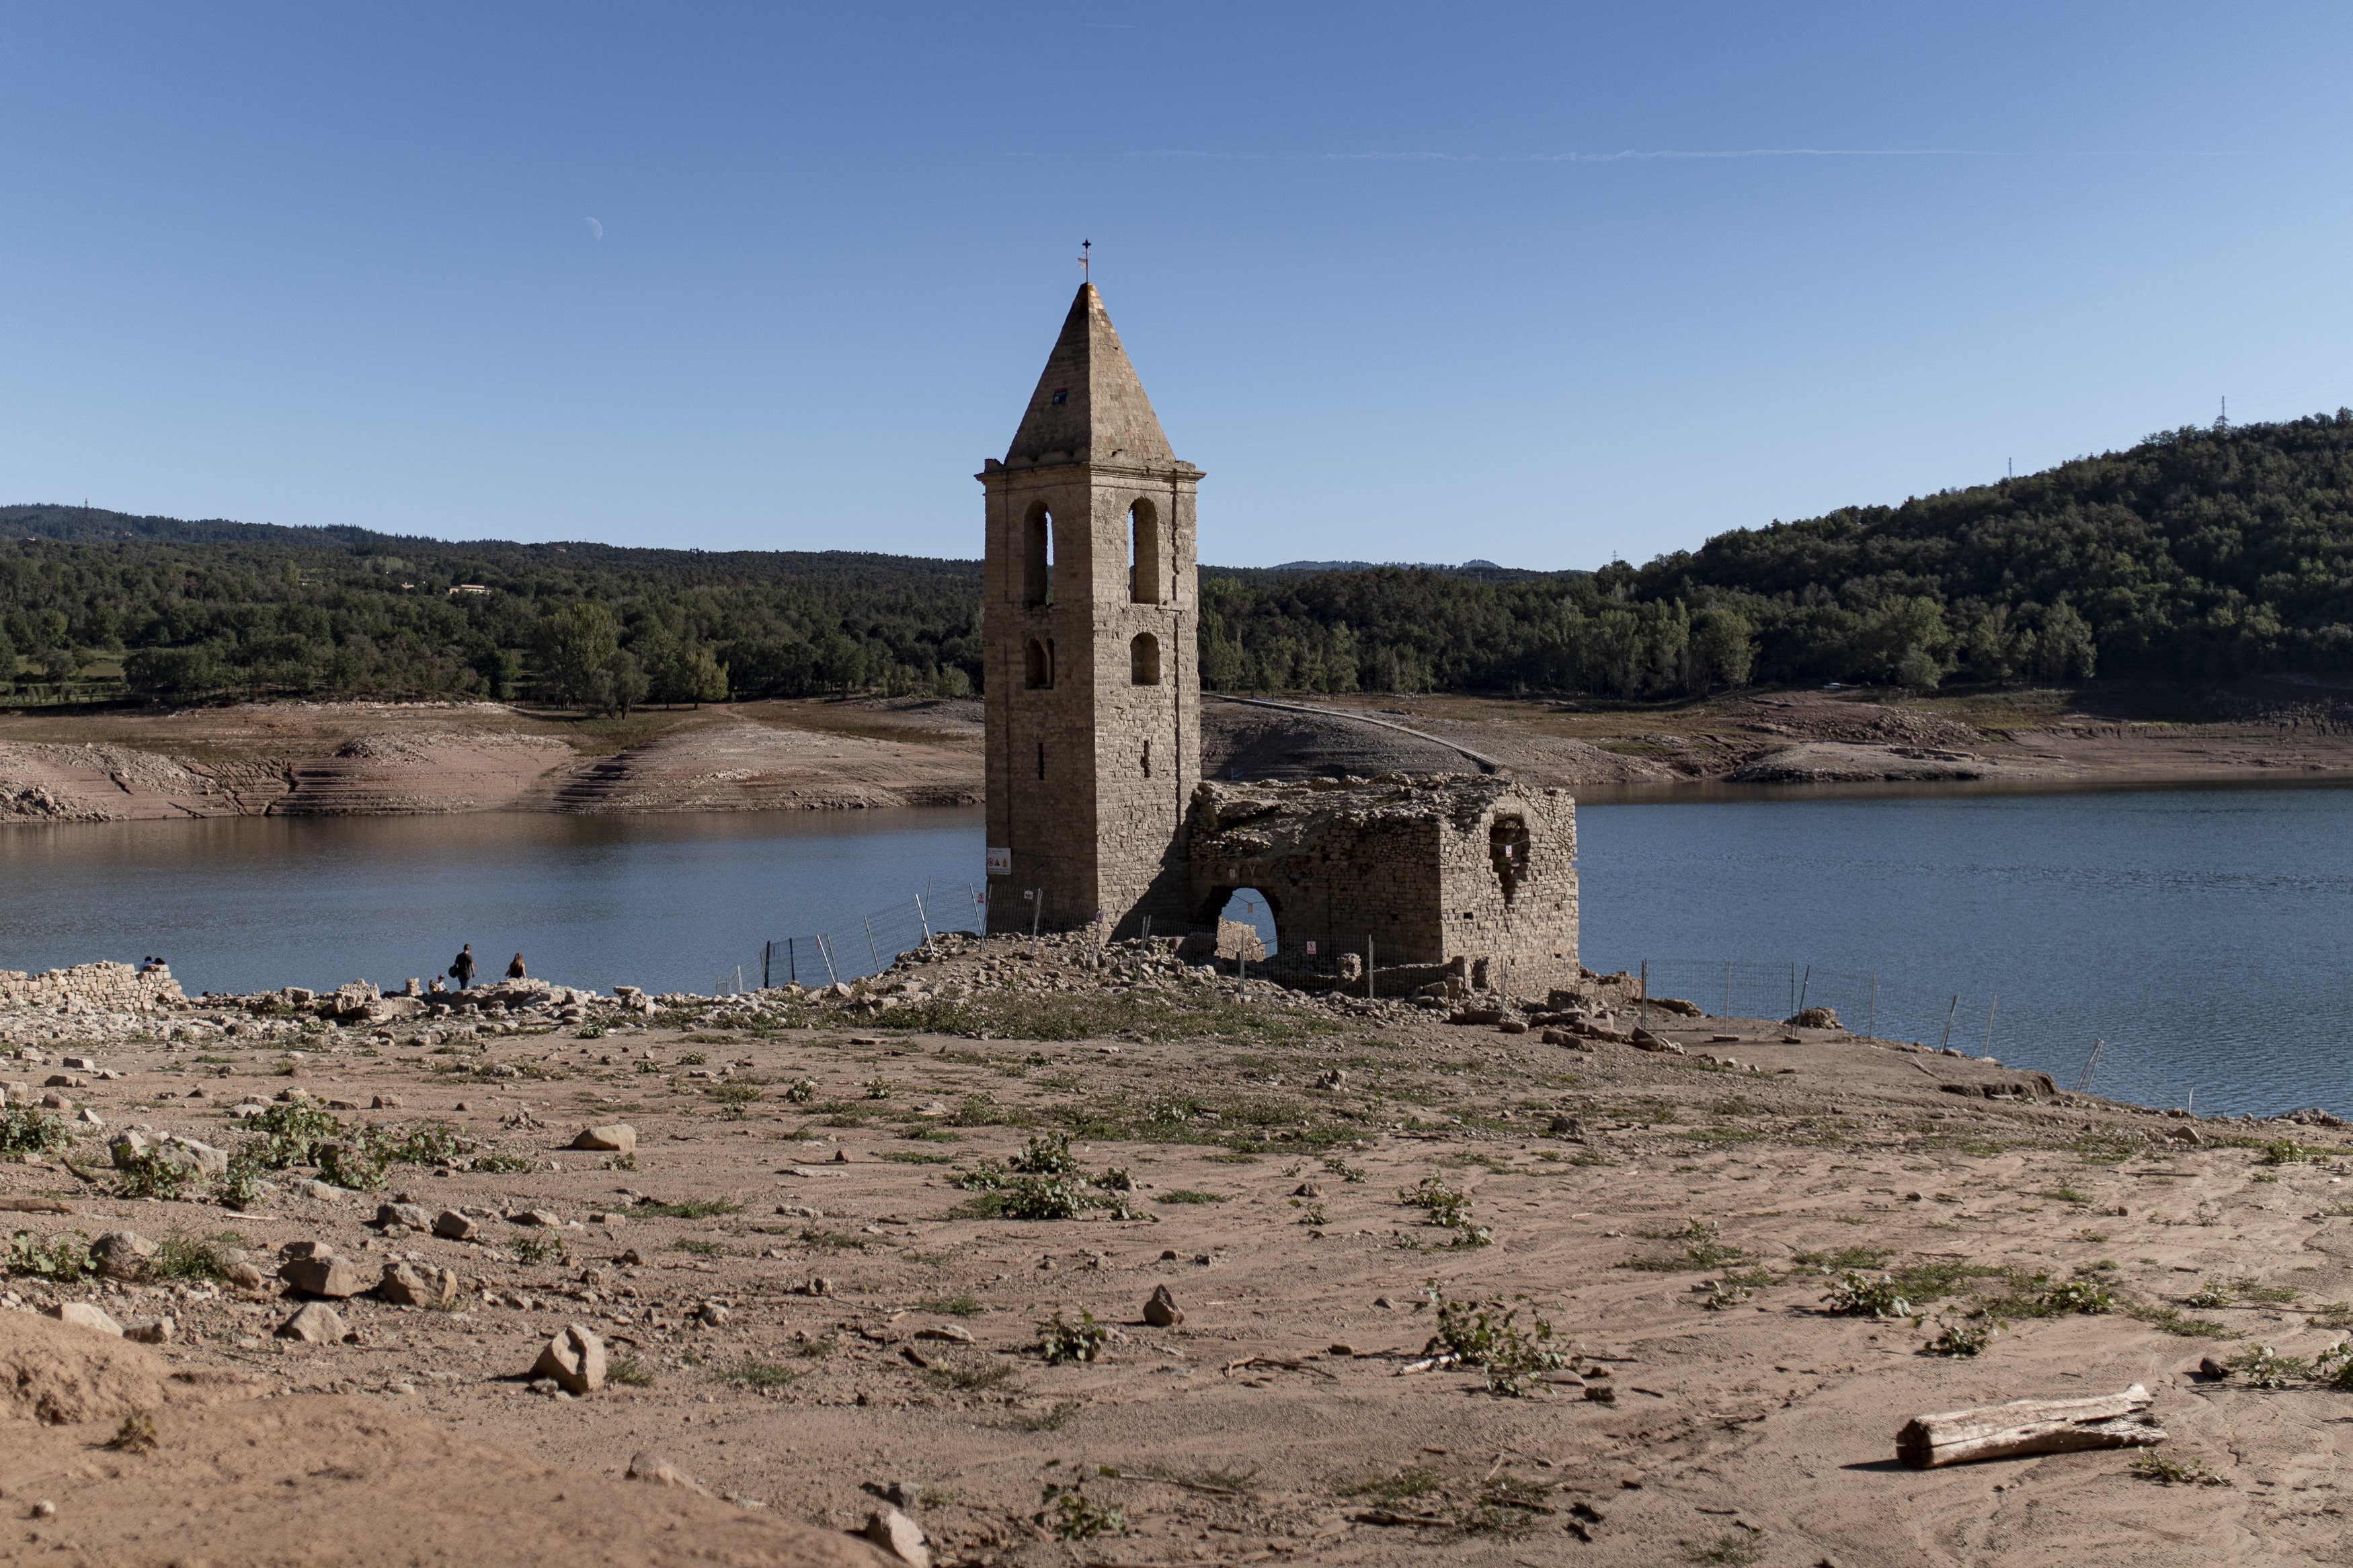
(1089, 406)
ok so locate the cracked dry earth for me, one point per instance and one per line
(1283, 1418)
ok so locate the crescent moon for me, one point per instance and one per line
(595, 228)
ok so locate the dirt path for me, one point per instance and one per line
(815, 1288)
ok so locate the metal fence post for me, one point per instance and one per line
(792, 961)
(1727, 988)
(1793, 988)
(767, 952)
(1947, 1042)
(1804, 986)
(1991, 1003)
(1371, 992)
(925, 921)
(825, 950)
(1646, 993)
(871, 950)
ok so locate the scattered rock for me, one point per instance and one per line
(955, 1333)
(451, 1225)
(547, 1218)
(121, 1254)
(322, 1275)
(404, 1286)
(613, 1138)
(410, 1215)
(151, 1331)
(322, 1192)
(315, 1324)
(384, 1102)
(83, 1315)
(1161, 1309)
(652, 1466)
(899, 1536)
(247, 1276)
(575, 1359)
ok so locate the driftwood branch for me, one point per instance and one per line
(2029, 1426)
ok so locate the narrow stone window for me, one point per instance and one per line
(1508, 851)
(1144, 660)
(1041, 759)
(1144, 566)
(1039, 662)
(1147, 759)
(1038, 556)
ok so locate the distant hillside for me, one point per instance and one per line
(2198, 554)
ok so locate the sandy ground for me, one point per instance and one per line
(787, 1147)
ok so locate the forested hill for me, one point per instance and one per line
(2199, 554)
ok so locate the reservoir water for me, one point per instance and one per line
(2203, 935)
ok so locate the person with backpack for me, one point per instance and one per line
(461, 968)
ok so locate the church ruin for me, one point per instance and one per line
(1096, 807)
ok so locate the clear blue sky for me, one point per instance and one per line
(1542, 283)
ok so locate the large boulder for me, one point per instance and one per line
(612, 1137)
(574, 1358)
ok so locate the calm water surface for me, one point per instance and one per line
(2202, 933)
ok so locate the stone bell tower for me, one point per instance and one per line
(1089, 617)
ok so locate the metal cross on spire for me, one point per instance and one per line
(1086, 255)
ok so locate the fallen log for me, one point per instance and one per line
(34, 1205)
(2029, 1426)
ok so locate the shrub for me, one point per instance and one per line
(1859, 1295)
(2264, 1367)
(152, 1173)
(1963, 1340)
(1061, 1343)
(25, 1131)
(61, 1259)
(802, 1091)
(736, 1099)
(1487, 1335)
(1047, 1156)
(241, 1186)
(1072, 1515)
(539, 1246)
(291, 1135)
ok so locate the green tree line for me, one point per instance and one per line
(2197, 554)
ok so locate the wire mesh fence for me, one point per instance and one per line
(859, 945)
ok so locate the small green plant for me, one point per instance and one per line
(802, 1090)
(2334, 1315)
(136, 1435)
(2077, 1296)
(1963, 1340)
(152, 1173)
(700, 1248)
(63, 1258)
(878, 1087)
(536, 1246)
(2269, 1295)
(694, 1208)
(763, 1373)
(430, 1143)
(2213, 1293)
(1188, 1195)
(736, 1099)
(1314, 1214)
(2173, 1320)
(1859, 1295)
(1487, 1334)
(1048, 1156)
(593, 1032)
(357, 1161)
(1072, 1515)
(692, 1060)
(620, 1162)
(1734, 1548)
(1723, 1295)
(629, 1372)
(2334, 1366)
(2176, 1470)
(25, 1131)
(2288, 1152)
(1048, 1420)
(241, 1185)
(1441, 1202)
(1341, 1169)
(2066, 1195)
(181, 1257)
(2264, 1367)
(291, 1134)
(1062, 1342)
(964, 1304)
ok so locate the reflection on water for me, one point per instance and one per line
(2202, 933)
(662, 901)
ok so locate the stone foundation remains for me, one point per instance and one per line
(1468, 875)
(92, 988)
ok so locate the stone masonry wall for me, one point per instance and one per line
(1431, 868)
(92, 988)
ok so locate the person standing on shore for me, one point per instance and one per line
(514, 970)
(461, 968)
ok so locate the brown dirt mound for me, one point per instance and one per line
(316, 1480)
(52, 1371)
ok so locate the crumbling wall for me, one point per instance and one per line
(93, 988)
(1429, 868)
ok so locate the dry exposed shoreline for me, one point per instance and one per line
(1272, 1153)
(384, 759)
